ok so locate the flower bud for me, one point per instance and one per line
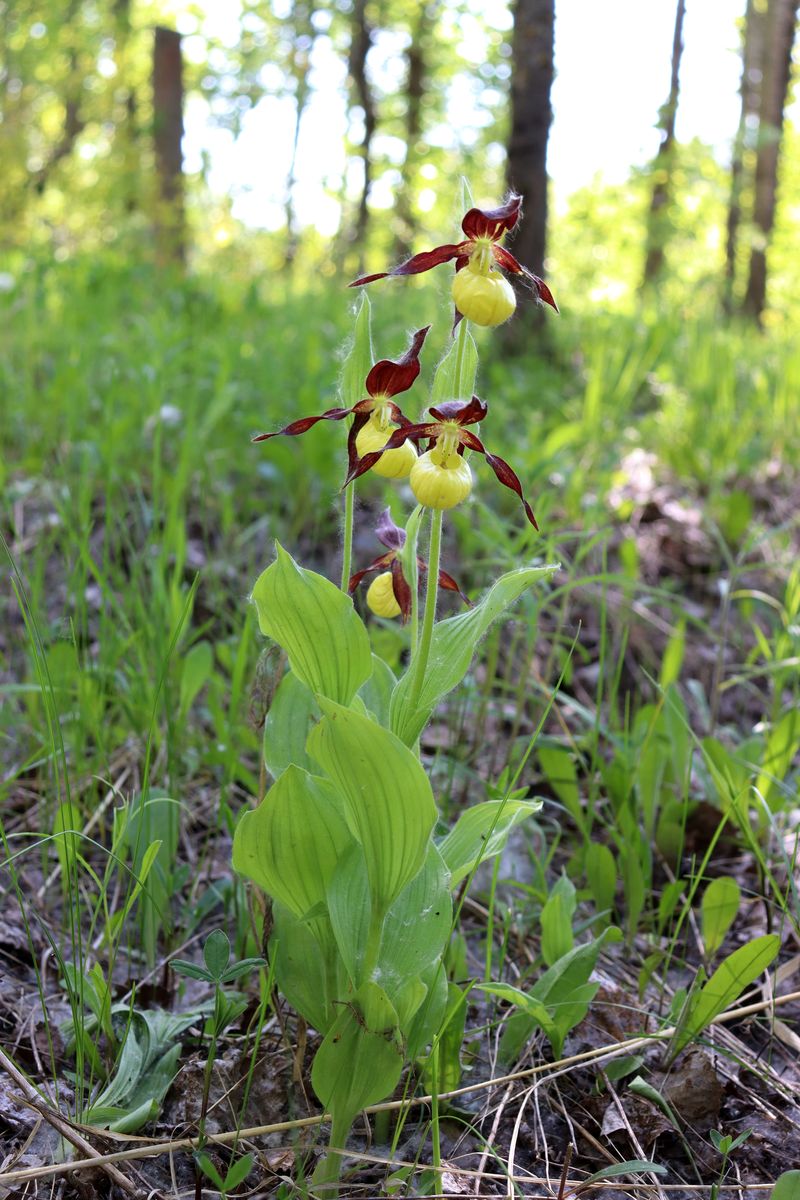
(440, 481)
(381, 598)
(484, 299)
(394, 464)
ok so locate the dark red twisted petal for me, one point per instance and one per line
(377, 564)
(505, 259)
(359, 421)
(391, 535)
(387, 377)
(543, 293)
(416, 264)
(509, 479)
(402, 592)
(449, 584)
(414, 432)
(463, 412)
(492, 222)
(462, 261)
(472, 442)
(294, 428)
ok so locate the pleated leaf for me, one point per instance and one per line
(290, 717)
(291, 843)
(452, 648)
(317, 625)
(388, 802)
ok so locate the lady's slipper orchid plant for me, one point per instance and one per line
(389, 594)
(373, 416)
(482, 294)
(441, 478)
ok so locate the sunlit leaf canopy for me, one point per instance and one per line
(268, 84)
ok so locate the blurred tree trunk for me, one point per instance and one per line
(776, 72)
(125, 114)
(657, 225)
(167, 135)
(416, 70)
(73, 119)
(532, 66)
(361, 41)
(753, 35)
(303, 37)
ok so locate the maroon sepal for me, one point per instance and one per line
(387, 377)
(492, 222)
(449, 584)
(392, 536)
(508, 477)
(416, 264)
(463, 412)
(402, 592)
(414, 432)
(304, 423)
(377, 564)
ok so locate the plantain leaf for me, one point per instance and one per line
(317, 625)
(731, 977)
(452, 648)
(291, 843)
(388, 802)
(481, 832)
(290, 717)
(718, 908)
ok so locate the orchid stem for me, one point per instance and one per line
(347, 537)
(420, 662)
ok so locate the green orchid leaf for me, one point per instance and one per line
(452, 648)
(388, 802)
(377, 691)
(317, 625)
(291, 843)
(359, 358)
(787, 1186)
(444, 379)
(718, 908)
(350, 908)
(481, 832)
(308, 967)
(359, 1061)
(427, 1020)
(417, 926)
(291, 715)
(731, 977)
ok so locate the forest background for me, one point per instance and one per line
(186, 190)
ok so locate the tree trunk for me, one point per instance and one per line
(657, 231)
(359, 49)
(749, 90)
(167, 135)
(415, 91)
(781, 18)
(531, 115)
(124, 113)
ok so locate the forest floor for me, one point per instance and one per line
(657, 673)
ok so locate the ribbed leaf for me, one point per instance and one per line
(316, 624)
(290, 716)
(291, 843)
(417, 925)
(388, 802)
(452, 648)
(444, 379)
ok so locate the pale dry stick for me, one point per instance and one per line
(113, 791)
(63, 1127)
(490, 1139)
(637, 1145)
(149, 1148)
(512, 1145)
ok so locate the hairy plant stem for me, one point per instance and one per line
(420, 662)
(347, 535)
(462, 341)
